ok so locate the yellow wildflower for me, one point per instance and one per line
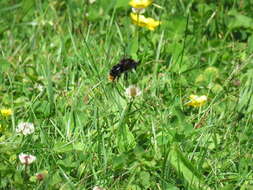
(6, 112)
(140, 4)
(142, 21)
(197, 101)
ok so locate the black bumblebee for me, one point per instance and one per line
(126, 64)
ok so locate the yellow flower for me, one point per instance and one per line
(142, 21)
(140, 4)
(197, 101)
(6, 112)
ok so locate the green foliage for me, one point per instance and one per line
(54, 65)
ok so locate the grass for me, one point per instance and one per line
(54, 65)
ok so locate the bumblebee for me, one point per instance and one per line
(125, 65)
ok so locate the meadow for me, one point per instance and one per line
(182, 120)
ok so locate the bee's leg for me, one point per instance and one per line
(125, 76)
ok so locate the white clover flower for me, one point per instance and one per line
(92, 1)
(98, 188)
(39, 87)
(132, 91)
(138, 10)
(26, 158)
(25, 128)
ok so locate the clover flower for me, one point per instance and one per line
(41, 176)
(132, 91)
(197, 101)
(25, 128)
(138, 10)
(142, 21)
(26, 158)
(140, 4)
(98, 188)
(6, 112)
(92, 1)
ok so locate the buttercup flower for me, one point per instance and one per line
(25, 128)
(132, 91)
(142, 21)
(6, 112)
(140, 4)
(26, 159)
(197, 101)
